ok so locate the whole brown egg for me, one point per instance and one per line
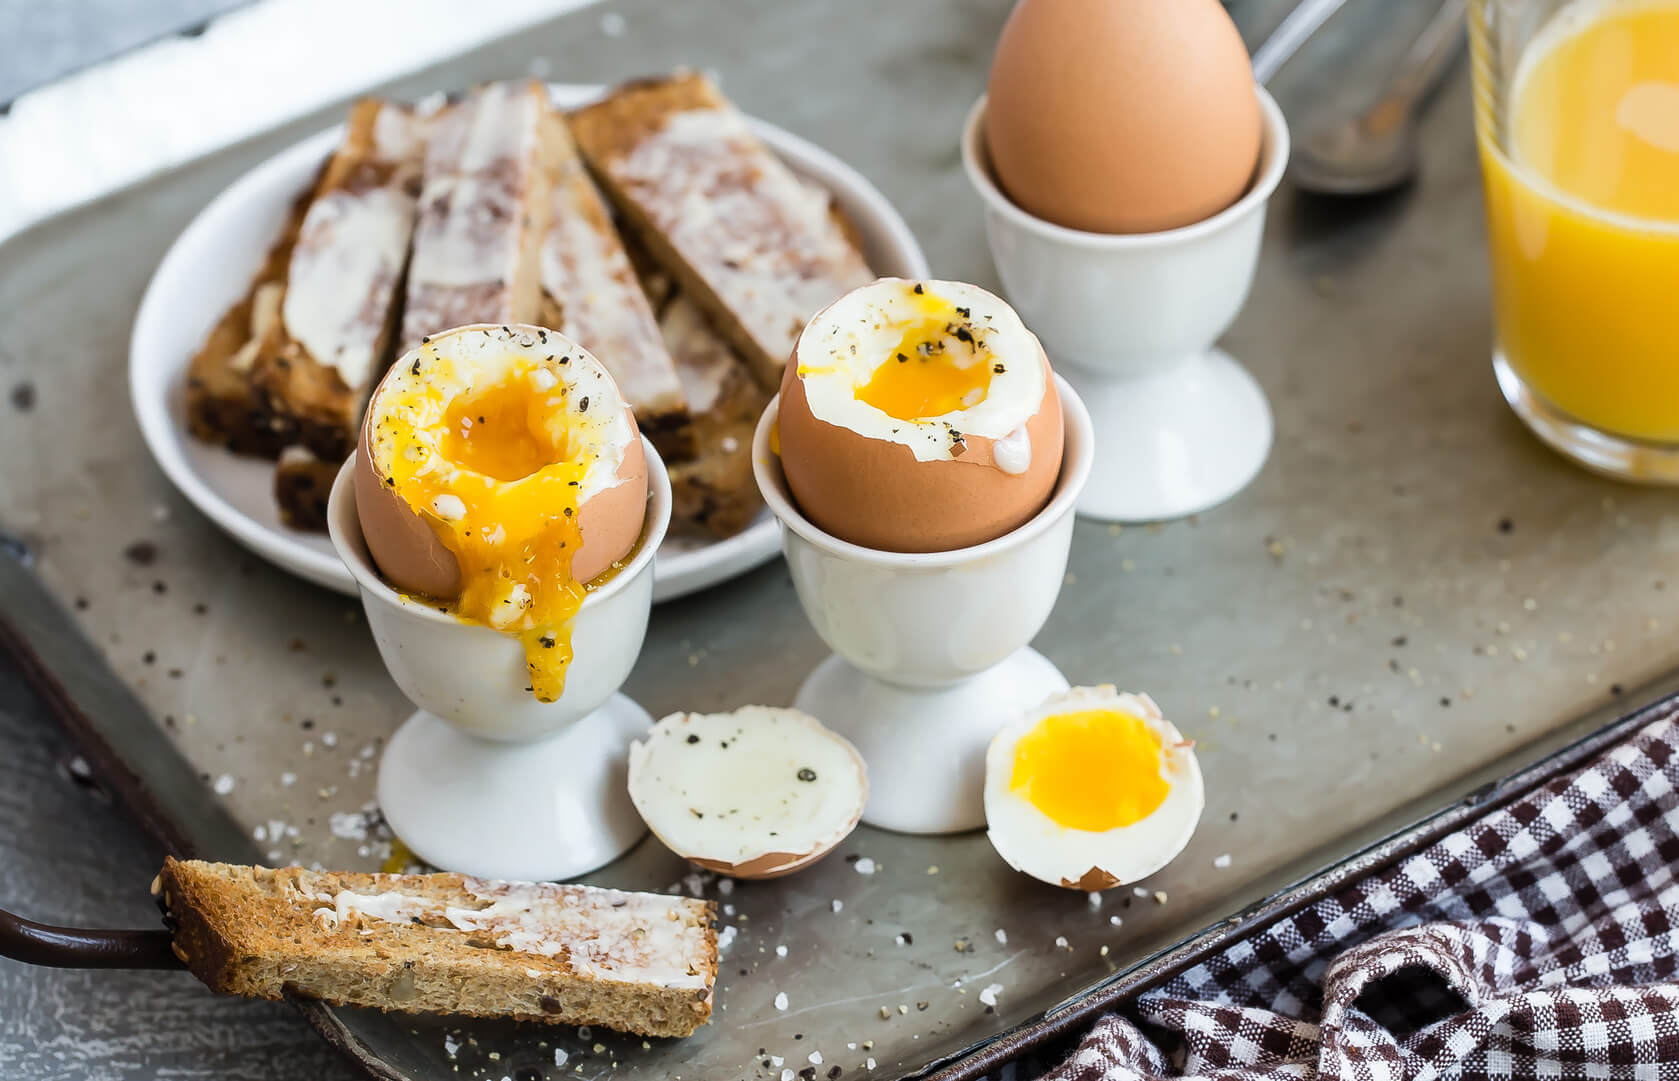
(1122, 116)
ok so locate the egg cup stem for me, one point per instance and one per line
(1177, 441)
(925, 746)
(542, 810)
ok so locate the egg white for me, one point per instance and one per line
(726, 789)
(1031, 842)
(846, 342)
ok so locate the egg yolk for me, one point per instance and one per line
(939, 366)
(508, 511)
(1094, 769)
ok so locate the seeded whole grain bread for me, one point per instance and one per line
(446, 944)
(759, 250)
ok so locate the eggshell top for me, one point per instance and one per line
(1122, 116)
(950, 479)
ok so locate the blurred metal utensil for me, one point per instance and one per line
(1300, 23)
(1376, 149)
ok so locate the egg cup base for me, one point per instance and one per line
(1172, 443)
(925, 747)
(547, 809)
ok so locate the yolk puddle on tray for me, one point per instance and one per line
(509, 514)
(939, 366)
(1094, 769)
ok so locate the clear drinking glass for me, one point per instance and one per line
(1577, 117)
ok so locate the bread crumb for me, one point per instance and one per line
(1222, 861)
(781, 1000)
(1002, 937)
(864, 866)
(223, 785)
(988, 996)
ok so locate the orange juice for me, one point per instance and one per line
(1582, 192)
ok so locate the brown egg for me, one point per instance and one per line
(757, 793)
(499, 471)
(1122, 116)
(870, 451)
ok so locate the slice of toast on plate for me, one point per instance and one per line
(756, 248)
(302, 483)
(484, 208)
(590, 294)
(447, 944)
(223, 406)
(714, 492)
(314, 366)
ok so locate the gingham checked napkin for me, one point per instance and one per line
(1539, 941)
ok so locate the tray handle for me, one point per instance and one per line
(76, 947)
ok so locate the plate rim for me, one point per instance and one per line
(153, 381)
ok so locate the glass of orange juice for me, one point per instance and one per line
(1577, 117)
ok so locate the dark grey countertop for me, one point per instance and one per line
(68, 854)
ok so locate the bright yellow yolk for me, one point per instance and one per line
(508, 513)
(939, 366)
(1094, 769)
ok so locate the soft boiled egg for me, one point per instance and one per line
(502, 477)
(919, 416)
(1092, 789)
(757, 793)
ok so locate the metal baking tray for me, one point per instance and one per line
(1412, 593)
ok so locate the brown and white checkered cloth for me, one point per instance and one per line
(1540, 941)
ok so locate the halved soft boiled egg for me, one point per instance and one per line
(757, 793)
(919, 416)
(1092, 789)
(502, 477)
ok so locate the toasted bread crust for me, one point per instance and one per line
(264, 933)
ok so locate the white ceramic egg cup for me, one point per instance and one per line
(486, 780)
(1130, 320)
(930, 649)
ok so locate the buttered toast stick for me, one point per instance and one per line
(445, 943)
(484, 208)
(759, 251)
(590, 294)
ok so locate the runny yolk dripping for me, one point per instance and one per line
(940, 364)
(1094, 769)
(508, 511)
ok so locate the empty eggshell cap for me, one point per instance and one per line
(757, 793)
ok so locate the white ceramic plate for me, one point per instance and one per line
(210, 265)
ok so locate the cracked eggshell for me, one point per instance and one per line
(724, 790)
(876, 493)
(405, 542)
